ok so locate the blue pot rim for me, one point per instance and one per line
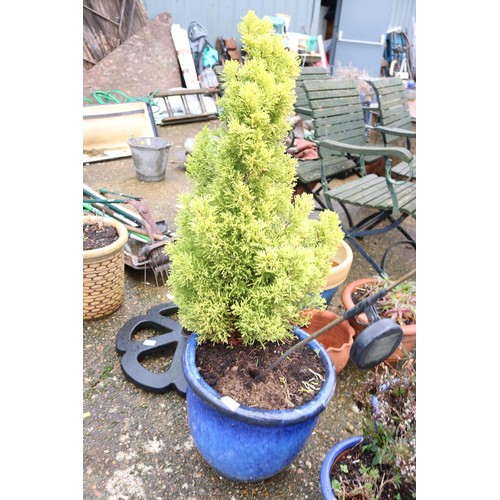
(329, 460)
(256, 415)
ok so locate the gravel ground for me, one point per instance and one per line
(136, 443)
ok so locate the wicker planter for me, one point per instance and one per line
(104, 274)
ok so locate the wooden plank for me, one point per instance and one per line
(310, 170)
(185, 56)
(396, 113)
(351, 104)
(408, 194)
(188, 105)
(329, 93)
(371, 191)
(337, 110)
(342, 191)
(312, 72)
(352, 132)
(393, 101)
(325, 112)
(188, 118)
(385, 82)
(388, 95)
(399, 122)
(330, 84)
(403, 169)
(341, 117)
(384, 201)
(370, 194)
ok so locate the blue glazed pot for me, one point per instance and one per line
(335, 453)
(250, 444)
(328, 295)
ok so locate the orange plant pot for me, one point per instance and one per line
(337, 340)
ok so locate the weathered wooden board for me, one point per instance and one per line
(185, 56)
(106, 25)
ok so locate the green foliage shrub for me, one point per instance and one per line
(248, 257)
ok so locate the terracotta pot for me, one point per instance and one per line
(360, 322)
(341, 265)
(337, 341)
(104, 273)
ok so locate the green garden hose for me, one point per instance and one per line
(117, 96)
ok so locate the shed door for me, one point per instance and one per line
(360, 29)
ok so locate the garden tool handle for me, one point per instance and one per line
(157, 237)
(367, 303)
(107, 191)
(147, 219)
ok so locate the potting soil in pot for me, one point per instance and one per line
(98, 236)
(232, 372)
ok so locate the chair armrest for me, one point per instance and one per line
(367, 150)
(401, 132)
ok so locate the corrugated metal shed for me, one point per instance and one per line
(221, 17)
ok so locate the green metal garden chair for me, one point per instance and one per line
(394, 117)
(339, 123)
(307, 73)
(308, 171)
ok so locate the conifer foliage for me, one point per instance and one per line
(249, 257)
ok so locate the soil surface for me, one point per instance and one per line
(360, 293)
(348, 470)
(234, 371)
(97, 235)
